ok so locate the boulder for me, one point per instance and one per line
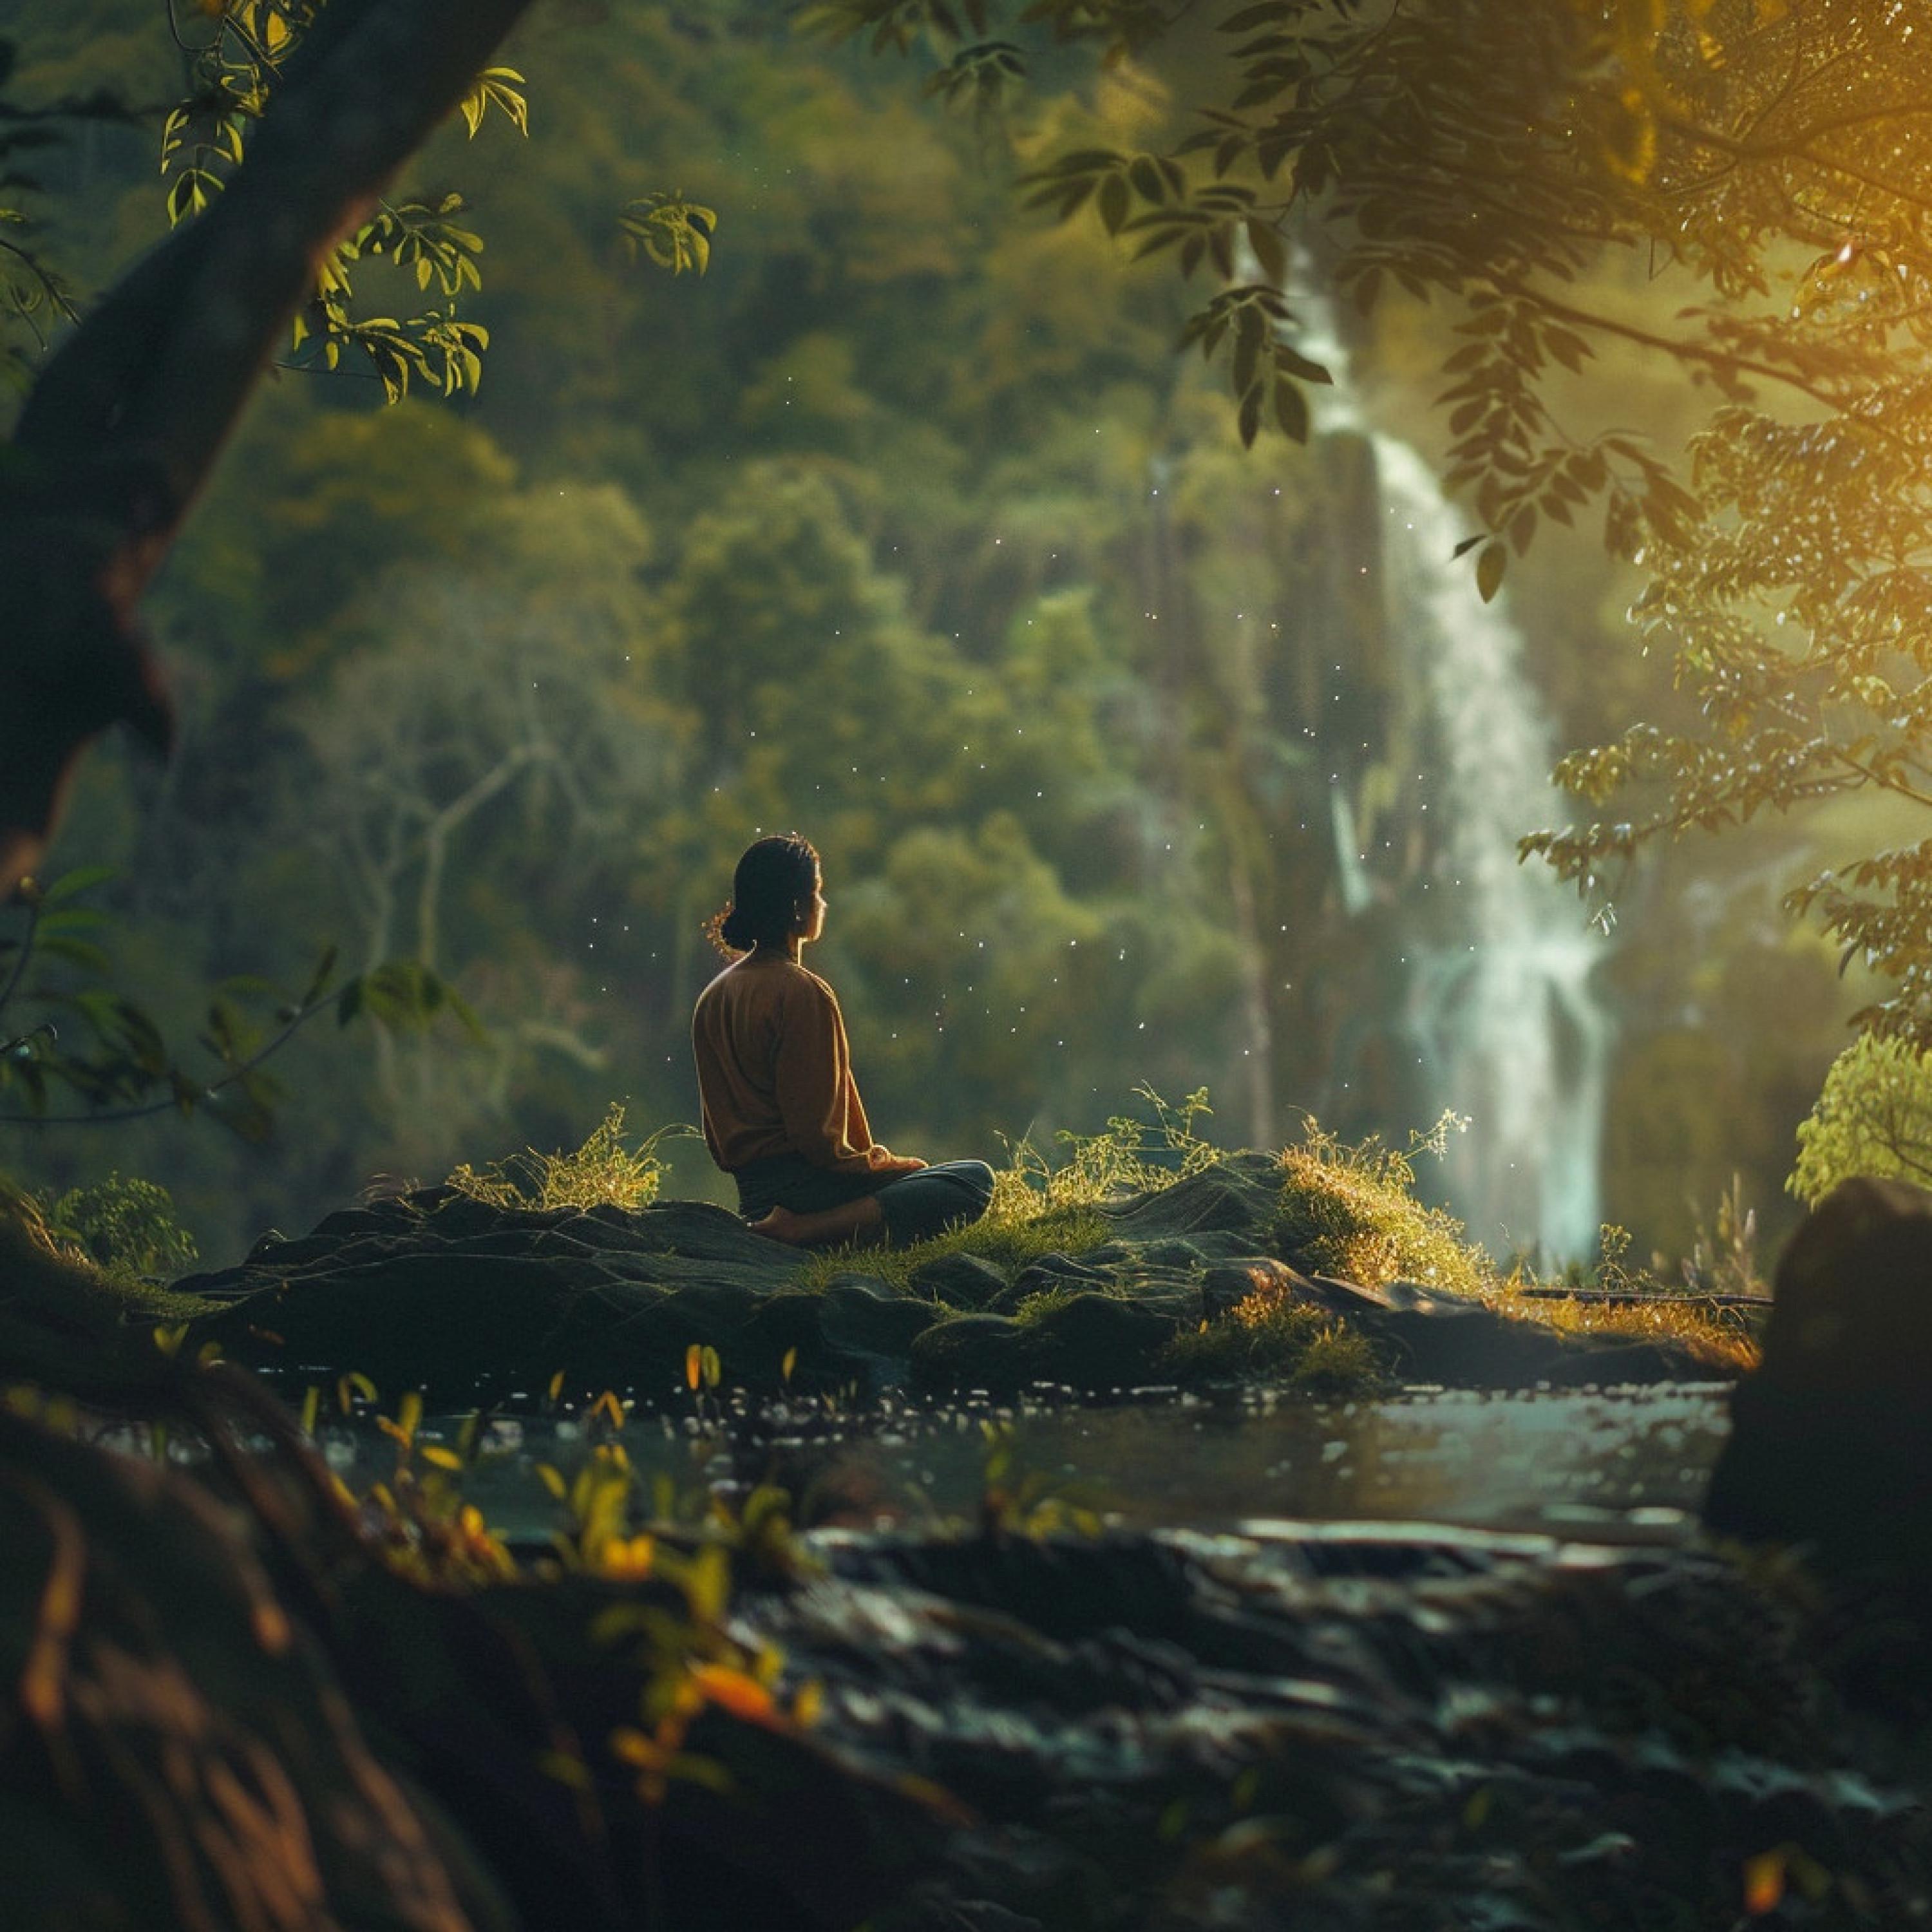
(960, 1280)
(466, 1301)
(1228, 1283)
(1238, 1195)
(1091, 1343)
(1831, 1442)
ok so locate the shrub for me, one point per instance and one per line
(1874, 1116)
(126, 1226)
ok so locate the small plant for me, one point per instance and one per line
(126, 1226)
(1723, 1259)
(1100, 1167)
(1268, 1335)
(1351, 1211)
(603, 1172)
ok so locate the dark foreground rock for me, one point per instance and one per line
(223, 1708)
(227, 1713)
(437, 1292)
(1831, 1444)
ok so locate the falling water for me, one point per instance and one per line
(1509, 1031)
(1501, 1011)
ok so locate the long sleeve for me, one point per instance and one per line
(775, 1073)
(818, 1098)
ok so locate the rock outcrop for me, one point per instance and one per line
(468, 1302)
(1831, 1442)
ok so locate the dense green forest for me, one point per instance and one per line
(902, 526)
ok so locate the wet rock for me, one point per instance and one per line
(962, 1281)
(464, 1300)
(1090, 1343)
(1364, 1725)
(1831, 1442)
(1048, 1274)
(1231, 1282)
(972, 1351)
(1238, 1195)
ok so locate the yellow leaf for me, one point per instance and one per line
(694, 1364)
(1764, 1882)
(438, 1457)
(732, 1690)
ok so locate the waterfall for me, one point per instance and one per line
(1501, 1014)
(1503, 1018)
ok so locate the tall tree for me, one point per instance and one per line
(123, 428)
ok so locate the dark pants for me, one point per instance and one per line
(916, 1206)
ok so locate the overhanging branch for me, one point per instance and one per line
(122, 430)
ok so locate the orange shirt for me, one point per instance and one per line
(774, 1072)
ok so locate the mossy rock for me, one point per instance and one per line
(1089, 1343)
(466, 1301)
(1239, 1195)
(961, 1280)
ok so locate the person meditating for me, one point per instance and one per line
(781, 1112)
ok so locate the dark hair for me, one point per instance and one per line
(773, 879)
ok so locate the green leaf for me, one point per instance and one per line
(1489, 568)
(79, 880)
(1291, 409)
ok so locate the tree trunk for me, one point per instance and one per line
(123, 429)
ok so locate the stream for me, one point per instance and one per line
(1622, 1465)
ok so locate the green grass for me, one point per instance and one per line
(1013, 1233)
(1045, 1206)
(1351, 1211)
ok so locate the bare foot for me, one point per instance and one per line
(781, 1224)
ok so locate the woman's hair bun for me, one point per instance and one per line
(775, 877)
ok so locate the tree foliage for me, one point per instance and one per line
(1874, 1117)
(1765, 164)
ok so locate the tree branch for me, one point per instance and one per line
(124, 427)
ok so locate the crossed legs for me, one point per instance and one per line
(859, 1224)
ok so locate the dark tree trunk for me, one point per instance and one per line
(123, 429)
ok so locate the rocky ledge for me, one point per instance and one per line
(436, 1291)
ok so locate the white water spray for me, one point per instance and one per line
(1500, 1010)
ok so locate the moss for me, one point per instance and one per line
(45, 1282)
(1036, 1307)
(1267, 1337)
(1351, 1211)
(1009, 1235)
(1719, 1337)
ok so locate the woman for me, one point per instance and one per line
(781, 1113)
